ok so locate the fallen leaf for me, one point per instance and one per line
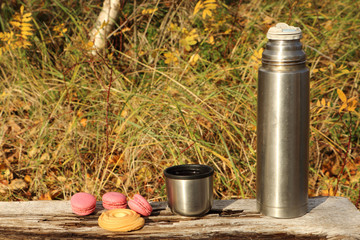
(170, 58)
(268, 20)
(45, 196)
(83, 122)
(211, 40)
(3, 188)
(27, 179)
(61, 179)
(45, 157)
(33, 152)
(328, 25)
(323, 102)
(17, 184)
(194, 58)
(318, 104)
(15, 128)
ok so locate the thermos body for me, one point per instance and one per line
(283, 130)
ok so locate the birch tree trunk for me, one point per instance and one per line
(104, 24)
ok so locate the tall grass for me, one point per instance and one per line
(73, 122)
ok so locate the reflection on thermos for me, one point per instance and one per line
(283, 125)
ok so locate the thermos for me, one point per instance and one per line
(283, 125)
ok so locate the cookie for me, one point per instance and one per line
(121, 220)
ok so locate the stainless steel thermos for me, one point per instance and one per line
(283, 125)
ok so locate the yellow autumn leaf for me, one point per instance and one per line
(61, 178)
(28, 179)
(15, 24)
(22, 9)
(328, 25)
(174, 27)
(58, 28)
(352, 103)
(341, 67)
(125, 29)
(26, 44)
(25, 33)
(28, 19)
(189, 40)
(17, 18)
(26, 24)
(211, 40)
(199, 5)
(211, 6)
(206, 12)
(341, 95)
(89, 45)
(104, 24)
(352, 108)
(148, 11)
(193, 59)
(17, 44)
(352, 99)
(25, 28)
(27, 15)
(45, 196)
(268, 20)
(343, 106)
(318, 104)
(110, 56)
(228, 31)
(257, 55)
(170, 58)
(83, 122)
(323, 103)
(22, 43)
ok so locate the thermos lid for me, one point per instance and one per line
(188, 171)
(282, 31)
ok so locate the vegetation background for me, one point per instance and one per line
(177, 84)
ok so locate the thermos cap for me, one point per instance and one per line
(282, 31)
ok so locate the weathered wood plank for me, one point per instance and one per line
(328, 218)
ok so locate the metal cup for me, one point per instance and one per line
(189, 189)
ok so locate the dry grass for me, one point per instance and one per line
(73, 122)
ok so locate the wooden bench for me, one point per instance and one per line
(328, 218)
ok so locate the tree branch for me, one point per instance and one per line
(104, 24)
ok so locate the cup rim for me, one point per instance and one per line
(177, 172)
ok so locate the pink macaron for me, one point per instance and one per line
(114, 200)
(140, 205)
(83, 203)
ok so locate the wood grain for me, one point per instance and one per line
(328, 218)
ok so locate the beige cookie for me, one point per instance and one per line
(121, 220)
